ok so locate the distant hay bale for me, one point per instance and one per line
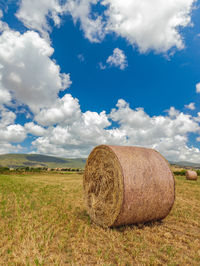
(191, 175)
(127, 185)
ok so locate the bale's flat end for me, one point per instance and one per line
(103, 186)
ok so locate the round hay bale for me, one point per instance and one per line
(127, 185)
(191, 175)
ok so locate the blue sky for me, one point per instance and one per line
(76, 74)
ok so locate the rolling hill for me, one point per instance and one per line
(38, 160)
(186, 164)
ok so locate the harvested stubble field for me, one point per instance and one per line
(43, 222)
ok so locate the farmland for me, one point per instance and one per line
(43, 222)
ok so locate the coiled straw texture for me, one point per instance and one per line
(127, 185)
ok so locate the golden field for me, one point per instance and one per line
(43, 222)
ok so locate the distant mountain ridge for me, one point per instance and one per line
(38, 160)
(186, 164)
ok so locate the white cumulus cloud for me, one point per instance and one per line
(117, 59)
(27, 71)
(198, 87)
(9, 148)
(91, 24)
(35, 14)
(173, 112)
(7, 117)
(34, 129)
(64, 110)
(151, 25)
(5, 96)
(190, 106)
(76, 137)
(167, 134)
(10, 132)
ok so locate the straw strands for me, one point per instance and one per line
(126, 185)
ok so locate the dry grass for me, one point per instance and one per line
(43, 222)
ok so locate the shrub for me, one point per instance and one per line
(4, 169)
(182, 172)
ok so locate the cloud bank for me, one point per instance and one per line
(149, 25)
(76, 137)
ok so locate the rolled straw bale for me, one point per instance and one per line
(191, 175)
(127, 185)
